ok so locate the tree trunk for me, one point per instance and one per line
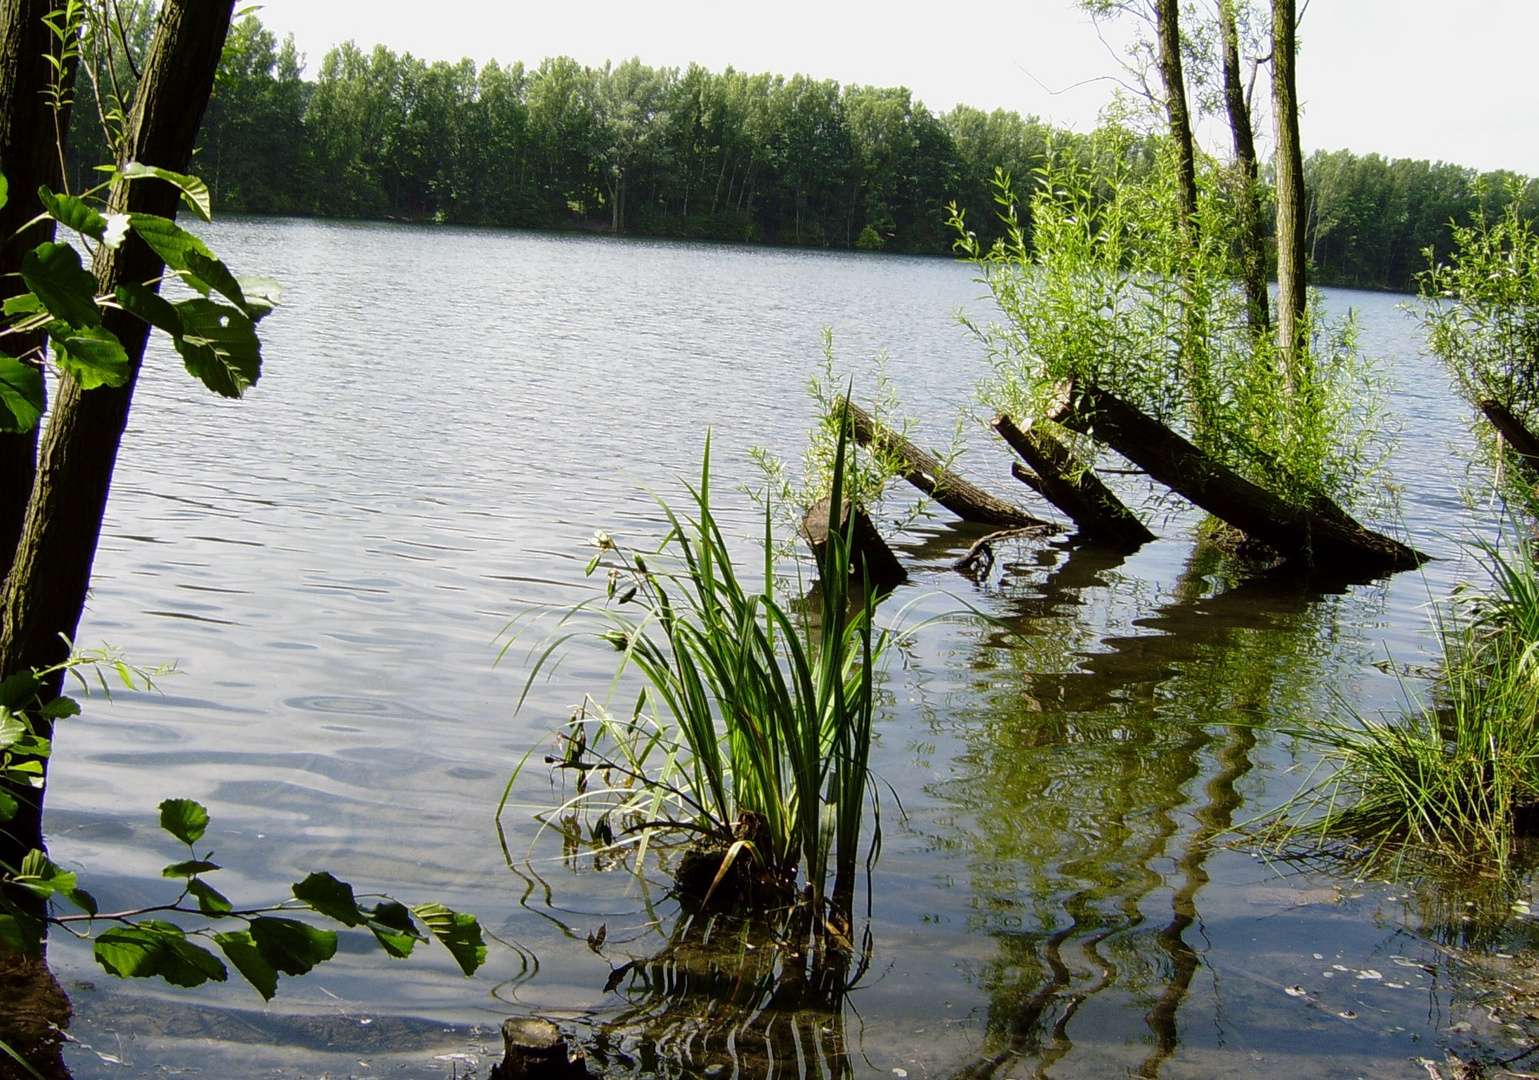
(1070, 486)
(925, 471)
(1292, 300)
(1322, 535)
(1513, 430)
(871, 560)
(31, 148)
(1168, 30)
(1252, 237)
(45, 591)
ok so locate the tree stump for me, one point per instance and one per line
(533, 1049)
(870, 558)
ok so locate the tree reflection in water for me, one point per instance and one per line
(34, 1011)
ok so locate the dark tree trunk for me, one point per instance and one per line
(1070, 486)
(30, 151)
(1168, 30)
(1248, 177)
(871, 560)
(925, 471)
(1322, 535)
(1292, 299)
(45, 591)
(1515, 432)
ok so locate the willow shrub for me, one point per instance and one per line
(1095, 280)
(752, 732)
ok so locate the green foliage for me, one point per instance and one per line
(1450, 777)
(1111, 290)
(754, 728)
(218, 342)
(1481, 310)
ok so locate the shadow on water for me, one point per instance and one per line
(1086, 844)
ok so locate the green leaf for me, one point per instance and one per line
(92, 355)
(42, 877)
(167, 239)
(194, 191)
(184, 819)
(82, 900)
(330, 897)
(157, 948)
(21, 395)
(392, 926)
(291, 946)
(460, 934)
(216, 275)
(61, 708)
(17, 692)
(73, 212)
(219, 346)
(67, 289)
(211, 901)
(189, 868)
(25, 304)
(21, 933)
(241, 950)
(8, 807)
(12, 730)
(151, 307)
(5, 191)
(262, 295)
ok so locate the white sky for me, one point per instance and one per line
(1441, 79)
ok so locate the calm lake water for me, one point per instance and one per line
(444, 418)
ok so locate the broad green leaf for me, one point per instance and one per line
(216, 275)
(189, 868)
(23, 934)
(167, 239)
(291, 946)
(82, 900)
(21, 395)
(219, 346)
(262, 294)
(392, 925)
(184, 819)
(32, 746)
(67, 289)
(17, 692)
(8, 807)
(194, 191)
(92, 355)
(154, 948)
(211, 901)
(330, 897)
(25, 304)
(5, 191)
(42, 877)
(150, 306)
(241, 950)
(12, 730)
(61, 708)
(460, 934)
(73, 212)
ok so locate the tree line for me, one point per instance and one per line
(759, 158)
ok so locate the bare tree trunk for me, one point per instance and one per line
(1070, 486)
(925, 471)
(30, 154)
(1252, 238)
(1168, 30)
(45, 592)
(1515, 432)
(1292, 300)
(1321, 534)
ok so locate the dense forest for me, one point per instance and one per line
(649, 151)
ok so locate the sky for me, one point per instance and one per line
(1402, 78)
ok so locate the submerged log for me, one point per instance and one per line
(926, 472)
(1321, 535)
(533, 1049)
(1077, 491)
(1514, 431)
(871, 559)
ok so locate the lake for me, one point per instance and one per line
(445, 416)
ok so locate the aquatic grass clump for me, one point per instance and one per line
(752, 731)
(1458, 776)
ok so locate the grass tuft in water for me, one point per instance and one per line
(752, 729)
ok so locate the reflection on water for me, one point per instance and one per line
(330, 562)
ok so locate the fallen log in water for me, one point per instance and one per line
(1513, 430)
(926, 472)
(1321, 534)
(871, 559)
(1074, 489)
